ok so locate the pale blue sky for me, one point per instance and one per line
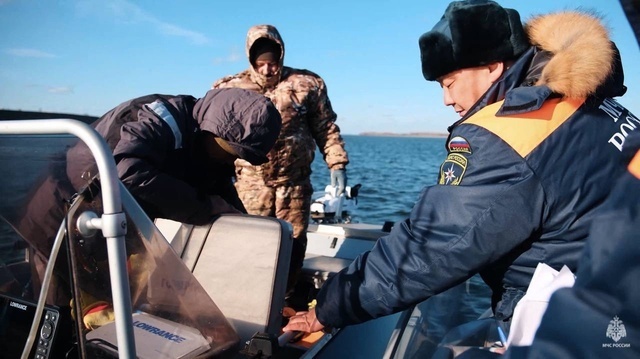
(86, 56)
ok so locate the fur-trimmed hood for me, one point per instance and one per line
(582, 57)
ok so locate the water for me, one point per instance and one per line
(392, 171)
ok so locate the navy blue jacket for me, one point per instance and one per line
(153, 139)
(160, 160)
(599, 317)
(526, 170)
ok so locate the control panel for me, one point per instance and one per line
(47, 331)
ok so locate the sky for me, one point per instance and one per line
(86, 57)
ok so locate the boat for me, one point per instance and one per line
(179, 290)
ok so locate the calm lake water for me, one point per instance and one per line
(391, 170)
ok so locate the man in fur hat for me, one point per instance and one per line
(281, 188)
(529, 162)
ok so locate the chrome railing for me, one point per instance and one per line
(112, 223)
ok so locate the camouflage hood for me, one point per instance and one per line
(271, 33)
(246, 120)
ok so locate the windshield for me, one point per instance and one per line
(172, 312)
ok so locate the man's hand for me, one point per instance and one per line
(304, 322)
(339, 179)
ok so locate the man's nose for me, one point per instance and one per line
(448, 101)
(263, 70)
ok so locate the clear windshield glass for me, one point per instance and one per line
(170, 306)
(173, 315)
(29, 165)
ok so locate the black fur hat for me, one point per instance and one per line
(471, 33)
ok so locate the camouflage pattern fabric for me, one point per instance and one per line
(281, 188)
(307, 119)
(290, 203)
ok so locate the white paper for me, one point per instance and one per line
(529, 310)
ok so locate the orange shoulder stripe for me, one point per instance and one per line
(525, 131)
(634, 165)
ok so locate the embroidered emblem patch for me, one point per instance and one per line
(459, 144)
(452, 169)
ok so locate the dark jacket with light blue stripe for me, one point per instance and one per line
(153, 139)
(531, 168)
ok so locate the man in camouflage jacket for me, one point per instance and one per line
(282, 187)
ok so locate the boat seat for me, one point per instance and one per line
(242, 261)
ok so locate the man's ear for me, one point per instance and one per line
(496, 70)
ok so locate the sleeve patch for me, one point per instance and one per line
(459, 144)
(452, 169)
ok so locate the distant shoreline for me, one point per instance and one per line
(410, 134)
(35, 115)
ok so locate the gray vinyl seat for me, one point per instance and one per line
(242, 261)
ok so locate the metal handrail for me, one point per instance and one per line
(112, 223)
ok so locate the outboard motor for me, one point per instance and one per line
(329, 208)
